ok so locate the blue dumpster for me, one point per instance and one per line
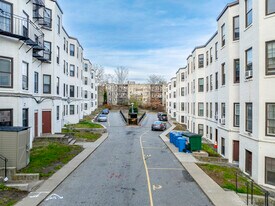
(176, 138)
(182, 144)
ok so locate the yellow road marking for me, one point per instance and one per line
(146, 170)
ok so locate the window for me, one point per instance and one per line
(270, 58)
(57, 54)
(236, 70)
(47, 18)
(270, 7)
(85, 106)
(207, 111)
(200, 109)
(6, 117)
(182, 91)
(6, 72)
(36, 82)
(47, 50)
(211, 57)
(207, 58)
(46, 84)
(223, 74)
(200, 129)
(222, 110)
(217, 80)
(86, 80)
(248, 119)
(86, 94)
(182, 76)
(236, 114)
(270, 119)
(72, 70)
(223, 35)
(58, 24)
(223, 146)
(201, 85)
(216, 110)
(175, 83)
(71, 91)
(86, 67)
(6, 16)
(216, 50)
(25, 117)
(236, 28)
(182, 106)
(57, 85)
(249, 66)
(71, 109)
(207, 84)
(211, 133)
(211, 82)
(248, 162)
(270, 171)
(248, 12)
(57, 112)
(211, 112)
(25, 75)
(72, 49)
(201, 61)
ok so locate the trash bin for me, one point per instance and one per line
(172, 135)
(176, 139)
(194, 141)
(182, 144)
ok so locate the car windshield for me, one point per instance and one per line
(164, 115)
(157, 122)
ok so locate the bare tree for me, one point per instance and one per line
(109, 78)
(156, 79)
(99, 73)
(121, 74)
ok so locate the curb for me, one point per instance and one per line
(210, 188)
(36, 197)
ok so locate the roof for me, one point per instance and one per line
(13, 129)
(226, 7)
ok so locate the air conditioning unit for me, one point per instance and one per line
(248, 74)
(222, 121)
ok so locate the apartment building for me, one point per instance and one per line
(171, 98)
(44, 80)
(226, 89)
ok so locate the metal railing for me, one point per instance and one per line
(141, 118)
(123, 116)
(5, 164)
(20, 27)
(251, 187)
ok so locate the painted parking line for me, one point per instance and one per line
(154, 147)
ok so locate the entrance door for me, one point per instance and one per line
(248, 162)
(236, 150)
(216, 135)
(35, 124)
(46, 122)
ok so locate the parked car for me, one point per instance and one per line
(105, 111)
(159, 114)
(158, 125)
(163, 117)
(102, 118)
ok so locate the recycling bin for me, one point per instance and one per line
(182, 144)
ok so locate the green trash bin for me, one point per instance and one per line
(194, 141)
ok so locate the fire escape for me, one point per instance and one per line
(25, 30)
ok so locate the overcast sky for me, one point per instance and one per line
(147, 36)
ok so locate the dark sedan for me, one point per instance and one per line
(158, 125)
(163, 117)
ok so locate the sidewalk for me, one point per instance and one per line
(35, 198)
(215, 193)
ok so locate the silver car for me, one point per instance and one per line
(102, 118)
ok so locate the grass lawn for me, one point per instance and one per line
(87, 136)
(9, 196)
(209, 150)
(85, 124)
(48, 157)
(226, 177)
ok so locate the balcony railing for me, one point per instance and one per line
(14, 26)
